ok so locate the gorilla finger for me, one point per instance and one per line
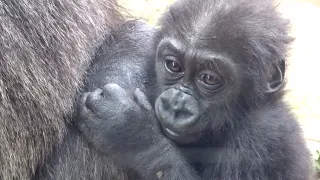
(96, 102)
(141, 98)
(114, 91)
(81, 107)
(82, 99)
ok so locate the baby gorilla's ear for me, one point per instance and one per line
(276, 80)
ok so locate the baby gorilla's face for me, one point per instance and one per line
(193, 87)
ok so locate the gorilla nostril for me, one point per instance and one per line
(164, 103)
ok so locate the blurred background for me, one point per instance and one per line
(303, 75)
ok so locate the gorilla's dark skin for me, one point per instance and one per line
(220, 76)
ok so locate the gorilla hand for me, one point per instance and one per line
(126, 128)
(114, 120)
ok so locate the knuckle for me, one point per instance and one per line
(113, 90)
(91, 98)
(81, 101)
(112, 85)
(94, 101)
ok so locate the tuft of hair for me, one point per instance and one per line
(45, 47)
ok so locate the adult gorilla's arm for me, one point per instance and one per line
(44, 51)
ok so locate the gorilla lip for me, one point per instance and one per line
(183, 138)
(171, 132)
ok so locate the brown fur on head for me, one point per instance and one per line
(44, 51)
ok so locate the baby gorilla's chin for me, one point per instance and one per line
(180, 138)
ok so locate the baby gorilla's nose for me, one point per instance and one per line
(176, 102)
(177, 110)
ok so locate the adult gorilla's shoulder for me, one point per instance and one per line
(45, 48)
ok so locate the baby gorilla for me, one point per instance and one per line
(219, 97)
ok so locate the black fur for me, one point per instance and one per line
(45, 48)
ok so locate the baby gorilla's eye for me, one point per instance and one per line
(209, 79)
(172, 65)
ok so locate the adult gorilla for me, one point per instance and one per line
(220, 75)
(45, 47)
